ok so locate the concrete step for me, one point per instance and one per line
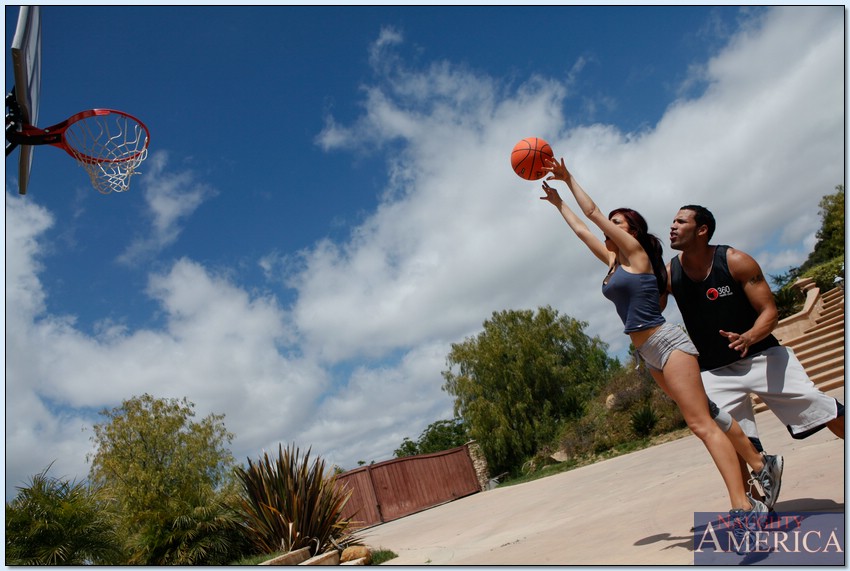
(825, 363)
(813, 338)
(825, 321)
(826, 376)
(829, 313)
(805, 351)
(822, 321)
(820, 348)
(832, 383)
(826, 349)
(833, 294)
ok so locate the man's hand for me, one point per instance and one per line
(738, 342)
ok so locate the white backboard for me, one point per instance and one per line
(26, 59)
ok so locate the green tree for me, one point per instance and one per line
(830, 236)
(519, 380)
(57, 522)
(824, 263)
(438, 436)
(156, 462)
(408, 448)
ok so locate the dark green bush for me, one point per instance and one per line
(788, 301)
(643, 420)
(630, 404)
(824, 274)
(382, 555)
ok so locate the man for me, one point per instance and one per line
(729, 312)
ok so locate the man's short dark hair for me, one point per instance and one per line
(703, 217)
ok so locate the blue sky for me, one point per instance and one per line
(328, 202)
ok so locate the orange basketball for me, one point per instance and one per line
(528, 156)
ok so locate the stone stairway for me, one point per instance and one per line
(820, 348)
(816, 335)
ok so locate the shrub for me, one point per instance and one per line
(59, 522)
(202, 530)
(578, 437)
(540, 460)
(382, 555)
(289, 503)
(639, 407)
(788, 301)
(643, 420)
(824, 274)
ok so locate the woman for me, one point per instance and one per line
(636, 275)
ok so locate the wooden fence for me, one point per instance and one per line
(389, 490)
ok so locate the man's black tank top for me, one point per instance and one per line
(718, 302)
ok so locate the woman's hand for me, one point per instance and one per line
(558, 169)
(551, 195)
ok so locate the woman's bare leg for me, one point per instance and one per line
(745, 447)
(682, 382)
(747, 452)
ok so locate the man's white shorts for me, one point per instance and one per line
(778, 378)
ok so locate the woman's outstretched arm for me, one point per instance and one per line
(626, 243)
(578, 226)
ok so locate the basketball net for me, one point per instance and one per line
(110, 148)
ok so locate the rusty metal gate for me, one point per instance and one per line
(389, 490)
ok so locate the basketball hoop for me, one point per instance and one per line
(109, 144)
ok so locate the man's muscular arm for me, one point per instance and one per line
(665, 295)
(746, 271)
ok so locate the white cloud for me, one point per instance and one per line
(36, 433)
(353, 365)
(375, 399)
(387, 38)
(171, 197)
(228, 351)
(459, 239)
(24, 295)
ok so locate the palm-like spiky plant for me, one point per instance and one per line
(202, 530)
(644, 420)
(57, 522)
(788, 301)
(290, 503)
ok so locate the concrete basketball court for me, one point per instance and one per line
(636, 509)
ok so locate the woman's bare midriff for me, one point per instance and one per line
(639, 337)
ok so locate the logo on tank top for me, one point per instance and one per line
(714, 293)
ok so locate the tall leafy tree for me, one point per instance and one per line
(156, 461)
(824, 263)
(516, 382)
(438, 436)
(58, 522)
(830, 236)
(407, 448)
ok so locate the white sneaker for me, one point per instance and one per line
(770, 478)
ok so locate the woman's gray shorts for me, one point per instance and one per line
(657, 349)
